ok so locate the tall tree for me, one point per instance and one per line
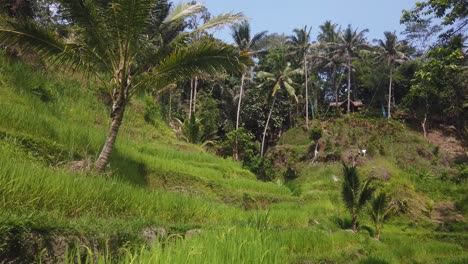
(112, 38)
(279, 78)
(350, 42)
(328, 38)
(248, 46)
(454, 15)
(301, 45)
(392, 51)
(420, 34)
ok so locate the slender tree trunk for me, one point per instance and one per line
(423, 125)
(103, 158)
(390, 94)
(195, 89)
(266, 127)
(335, 87)
(354, 221)
(306, 91)
(349, 86)
(377, 231)
(170, 105)
(241, 92)
(191, 98)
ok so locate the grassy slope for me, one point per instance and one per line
(157, 180)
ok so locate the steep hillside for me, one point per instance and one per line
(166, 201)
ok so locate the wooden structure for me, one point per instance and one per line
(355, 106)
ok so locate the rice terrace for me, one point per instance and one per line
(158, 131)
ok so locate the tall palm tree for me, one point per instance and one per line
(355, 192)
(301, 44)
(110, 41)
(279, 78)
(392, 51)
(328, 38)
(250, 47)
(350, 42)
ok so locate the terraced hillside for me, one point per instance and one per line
(166, 201)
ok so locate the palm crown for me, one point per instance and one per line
(110, 40)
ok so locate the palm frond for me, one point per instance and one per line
(220, 20)
(182, 11)
(32, 37)
(201, 58)
(291, 91)
(365, 193)
(91, 17)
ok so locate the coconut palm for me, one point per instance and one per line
(355, 192)
(249, 47)
(329, 54)
(381, 210)
(110, 40)
(279, 78)
(350, 42)
(392, 51)
(301, 45)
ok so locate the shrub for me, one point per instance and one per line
(262, 167)
(290, 174)
(191, 130)
(152, 110)
(315, 133)
(45, 93)
(245, 145)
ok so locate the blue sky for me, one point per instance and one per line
(283, 16)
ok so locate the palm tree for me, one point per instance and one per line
(301, 44)
(391, 50)
(110, 41)
(381, 210)
(249, 47)
(350, 41)
(279, 78)
(355, 193)
(328, 38)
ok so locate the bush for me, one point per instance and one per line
(151, 110)
(245, 145)
(290, 174)
(191, 129)
(46, 94)
(260, 166)
(315, 133)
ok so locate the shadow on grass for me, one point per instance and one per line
(128, 169)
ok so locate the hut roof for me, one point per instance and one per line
(345, 102)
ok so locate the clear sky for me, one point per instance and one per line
(282, 16)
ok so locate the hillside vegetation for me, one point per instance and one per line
(167, 201)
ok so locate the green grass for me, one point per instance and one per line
(155, 180)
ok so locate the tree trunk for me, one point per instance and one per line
(423, 125)
(377, 232)
(354, 221)
(195, 89)
(306, 91)
(241, 92)
(191, 98)
(349, 86)
(335, 87)
(103, 158)
(266, 127)
(390, 94)
(170, 105)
